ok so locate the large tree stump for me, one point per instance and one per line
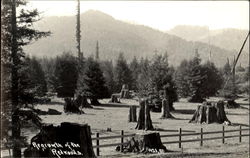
(66, 140)
(166, 109)
(82, 102)
(220, 112)
(71, 106)
(132, 114)
(208, 113)
(145, 143)
(144, 119)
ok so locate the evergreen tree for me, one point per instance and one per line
(143, 80)
(229, 88)
(182, 80)
(227, 69)
(196, 78)
(108, 73)
(16, 32)
(48, 66)
(159, 72)
(134, 68)
(92, 83)
(32, 81)
(161, 75)
(65, 75)
(122, 73)
(213, 81)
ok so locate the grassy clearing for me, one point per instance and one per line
(115, 116)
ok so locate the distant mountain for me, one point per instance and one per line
(230, 39)
(115, 36)
(190, 33)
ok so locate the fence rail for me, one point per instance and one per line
(180, 135)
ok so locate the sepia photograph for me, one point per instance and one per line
(124, 79)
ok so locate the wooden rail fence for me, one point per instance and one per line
(180, 135)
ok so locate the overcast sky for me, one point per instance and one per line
(162, 15)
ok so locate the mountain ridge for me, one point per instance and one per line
(115, 36)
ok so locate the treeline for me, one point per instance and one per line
(96, 79)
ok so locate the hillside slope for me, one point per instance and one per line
(115, 36)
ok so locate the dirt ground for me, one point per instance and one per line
(115, 116)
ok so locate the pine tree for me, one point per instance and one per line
(48, 67)
(92, 83)
(213, 81)
(143, 80)
(182, 80)
(196, 78)
(134, 68)
(16, 32)
(161, 75)
(229, 87)
(32, 81)
(66, 74)
(108, 73)
(122, 73)
(227, 69)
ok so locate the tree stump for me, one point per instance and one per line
(208, 113)
(114, 99)
(66, 140)
(144, 119)
(155, 105)
(145, 143)
(132, 114)
(125, 91)
(53, 112)
(82, 102)
(220, 113)
(70, 106)
(232, 104)
(166, 109)
(94, 101)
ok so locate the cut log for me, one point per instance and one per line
(53, 112)
(66, 140)
(144, 120)
(132, 114)
(145, 143)
(166, 109)
(210, 113)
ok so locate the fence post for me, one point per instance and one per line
(180, 138)
(122, 134)
(223, 134)
(201, 143)
(97, 145)
(240, 135)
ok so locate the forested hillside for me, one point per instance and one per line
(115, 36)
